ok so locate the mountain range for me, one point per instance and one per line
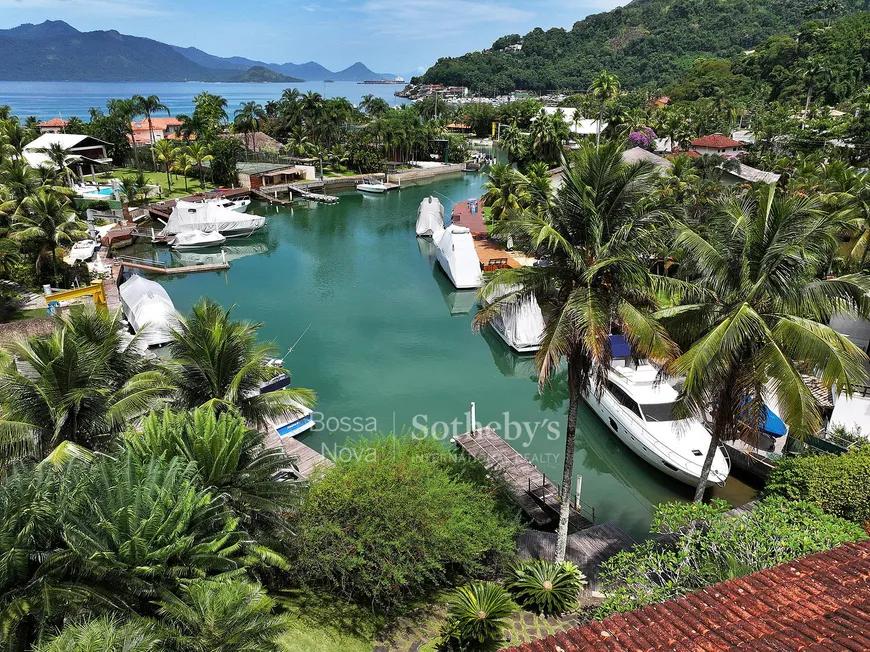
(651, 43)
(56, 51)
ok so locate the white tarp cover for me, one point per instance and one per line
(149, 309)
(520, 321)
(430, 216)
(209, 216)
(458, 257)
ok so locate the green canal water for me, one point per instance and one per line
(390, 345)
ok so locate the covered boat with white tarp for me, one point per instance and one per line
(430, 217)
(520, 322)
(211, 216)
(148, 309)
(457, 256)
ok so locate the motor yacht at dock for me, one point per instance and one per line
(637, 406)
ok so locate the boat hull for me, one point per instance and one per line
(533, 348)
(621, 426)
(371, 188)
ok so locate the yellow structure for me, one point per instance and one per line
(95, 290)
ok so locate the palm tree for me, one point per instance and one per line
(125, 111)
(73, 389)
(19, 181)
(200, 155)
(247, 119)
(603, 88)
(762, 320)
(505, 191)
(183, 164)
(596, 234)
(48, 219)
(815, 71)
(228, 616)
(107, 634)
(166, 154)
(219, 363)
(15, 137)
(148, 106)
(230, 458)
(59, 157)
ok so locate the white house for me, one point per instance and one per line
(718, 144)
(84, 151)
(577, 124)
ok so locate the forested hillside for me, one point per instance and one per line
(646, 43)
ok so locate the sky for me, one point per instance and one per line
(397, 36)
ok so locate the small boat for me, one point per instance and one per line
(83, 250)
(148, 309)
(637, 406)
(197, 240)
(371, 185)
(430, 217)
(209, 216)
(297, 423)
(458, 257)
(520, 322)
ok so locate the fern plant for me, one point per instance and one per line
(477, 616)
(545, 587)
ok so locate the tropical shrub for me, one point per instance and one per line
(227, 616)
(545, 587)
(711, 546)
(477, 616)
(106, 634)
(836, 484)
(396, 517)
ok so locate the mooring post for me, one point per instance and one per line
(473, 428)
(577, 496)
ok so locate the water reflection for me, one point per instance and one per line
(509, 363)
(459, 302)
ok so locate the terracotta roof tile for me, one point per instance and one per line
(717, 141)
(54, 122)
(820, 602)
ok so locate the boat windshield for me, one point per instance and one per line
(658, 411)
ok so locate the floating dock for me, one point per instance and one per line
(305, 458)
(536, 495)
(156, 267)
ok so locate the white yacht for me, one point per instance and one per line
(430, 217)
(197, 240)
(148, 309)
(237, 205)
(209, 216)
(83, 250)
(520, 322)
(371, 185)
(638, 408)
(457, 256)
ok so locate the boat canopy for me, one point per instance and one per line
(209, 216)
(773, 425)
(619, 347)
(458, 257)
(149, 310)
(520, 321)
(430, 216)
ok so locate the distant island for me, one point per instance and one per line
(57, 51)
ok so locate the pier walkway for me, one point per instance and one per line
(536, 495)
(157, 267)
(306, 458)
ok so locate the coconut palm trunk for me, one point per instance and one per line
(574, 391)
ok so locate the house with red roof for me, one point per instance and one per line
(161, 129)
(53, 126)
(819, 602)
(718, 144)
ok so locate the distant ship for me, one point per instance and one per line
(397, 80)
(328, 81)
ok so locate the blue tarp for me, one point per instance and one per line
(619, 348)
(773, 425)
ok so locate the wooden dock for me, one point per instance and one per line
(536, 495)
(272, 199)
(151, 268)
(306, 458)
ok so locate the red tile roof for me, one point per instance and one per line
(159, 124)
(716, 140)
(54, 122)
(691, 154)
(820, 602)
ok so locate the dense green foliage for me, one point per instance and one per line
(712, 546)
(476, 617)
(836, 484)
(544, 587)
(397, 517)
(646, 42)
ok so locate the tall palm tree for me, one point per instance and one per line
(19, 181)
(47, 218)
(200, 155)
(73, 389)
(228, 616)
(14, 135)
(60, 157)
(247, 119)
(505, 191)
(515, 143)
(761, 321)
(218, 362)
(815, 72)
(125, 110)
(604, 88)
(183, 164)
(167, 154)
(596, 234)
(147, 106)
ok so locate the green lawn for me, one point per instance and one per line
(159, 178)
